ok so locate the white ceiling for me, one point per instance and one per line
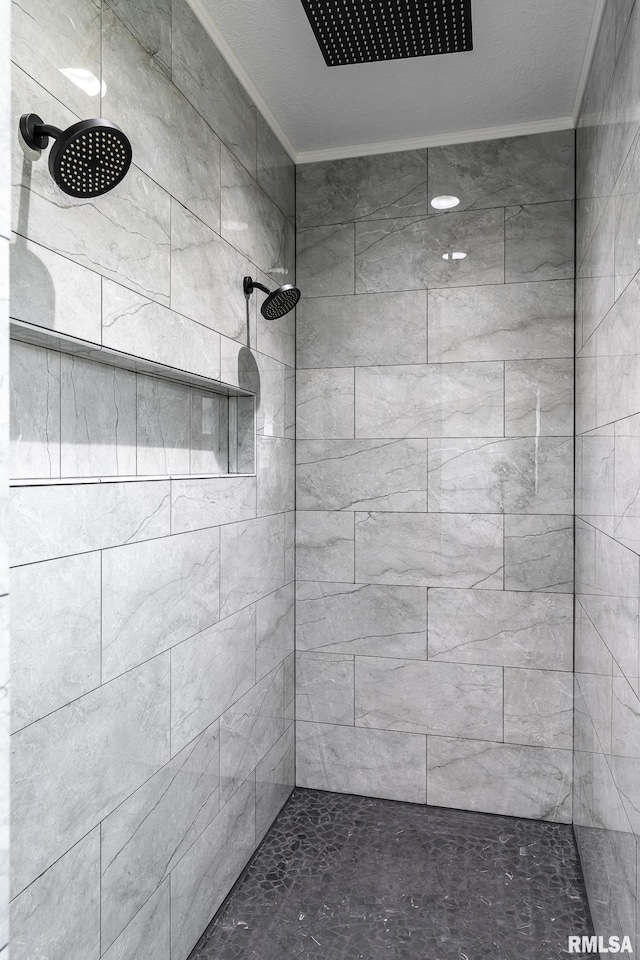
(525, 74)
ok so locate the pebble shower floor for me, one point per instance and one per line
(351, 878)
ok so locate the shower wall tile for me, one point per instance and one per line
(538, 398)
(325, 688)
(202, 74)
(277, 474)
(354, 331)
(274, 779)
(274, 630)
(430, 400)
(208, 433)
(325, 401)
(325, 260)
(533, 630)
(35, 411)
(538, 708)
(465, 550)
(59, 603)
(367, 619)
(446, 699)
(81, 518)
(44, 291)
(206, 873)
(59, 914)
(494, 778)
(211, 502)
(147, 835)
(209, 672)
(148, 936)
(516, 321)
(539, 242)
(64, 785)
(492, 173)
(162, 419)
(325, 545)
(97, 419)
(362, 475)
(150, 23)
(252, 562)
(538, 553)
(367, 762)
(176, 597)
(409, 254)
(144, 328)
(362, 188)
(276, 171)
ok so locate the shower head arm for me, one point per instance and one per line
(251, 285)
(35, 132)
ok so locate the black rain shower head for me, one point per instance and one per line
(88, 159)
(278, 303)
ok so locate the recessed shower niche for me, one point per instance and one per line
(87, 413)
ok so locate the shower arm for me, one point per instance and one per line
(35, 133)
(251, 285)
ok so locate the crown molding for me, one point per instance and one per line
(596, 23)
(201, 11)
(436, 140)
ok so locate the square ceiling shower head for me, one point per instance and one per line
(364, 31)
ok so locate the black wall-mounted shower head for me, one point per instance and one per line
(278, 303)
(88, 159)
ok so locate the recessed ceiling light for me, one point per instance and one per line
(445, 203)
(456, 255)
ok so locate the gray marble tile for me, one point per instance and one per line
(44, 291)
(272, 382)
(275, 779)
(464, 550)
(188, 164)
(523, 475)
(209, 672)
(276, 172)
(253, 224)
(325, 260)
(289, 546)
(430, 400)
(202, 74)
(5, 786)
(249, 729)
(40, 31)
(156, 594)
(348, 331)
(361, 475)
(367, 762)
(526, 781)
(208, 433)
(591, 652)
(626, 487)
(625, 718)
(63, 785)
(277, 338)
(97, 419)
(144, 328)
(208, 503)
(325, 688)
(57, 521)
(206, 276)
(148, 936)
(585, 396)
(289, 688)
(362, 188)
(410, 254)
(595, 479)
(58, 916)
(618, 358)
(538, 708)
(276, 470)
(516, 321)
(162, 419)
(324, 546)
(35, 411)
(627, 210)
(150, 23)
(274, 629)
(446, 699)
(252, 563)
(206, 873)
(539, 240)
(594, 298)
(325, 401)
(599, 256)
(371, 620)
(147, 835)
(538, 398)
(505, 628)
(132, 220)
(55, 648)
(538, 553)
(495, 173)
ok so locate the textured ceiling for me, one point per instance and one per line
(524, 69)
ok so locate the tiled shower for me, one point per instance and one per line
(333, 551)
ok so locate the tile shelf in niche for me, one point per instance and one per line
(82, 413)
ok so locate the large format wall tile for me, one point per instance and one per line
(148, 936)
(208, 503)
(325, 545)
(325, 401)
(538, 398)
(276, 172)
(74, 767)
(325, 688)
(539, 242)
(275, 779)
(35, 411)
(325, 260)
(252, 562)
(538, 708)
(538, 553)
(274, 630)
